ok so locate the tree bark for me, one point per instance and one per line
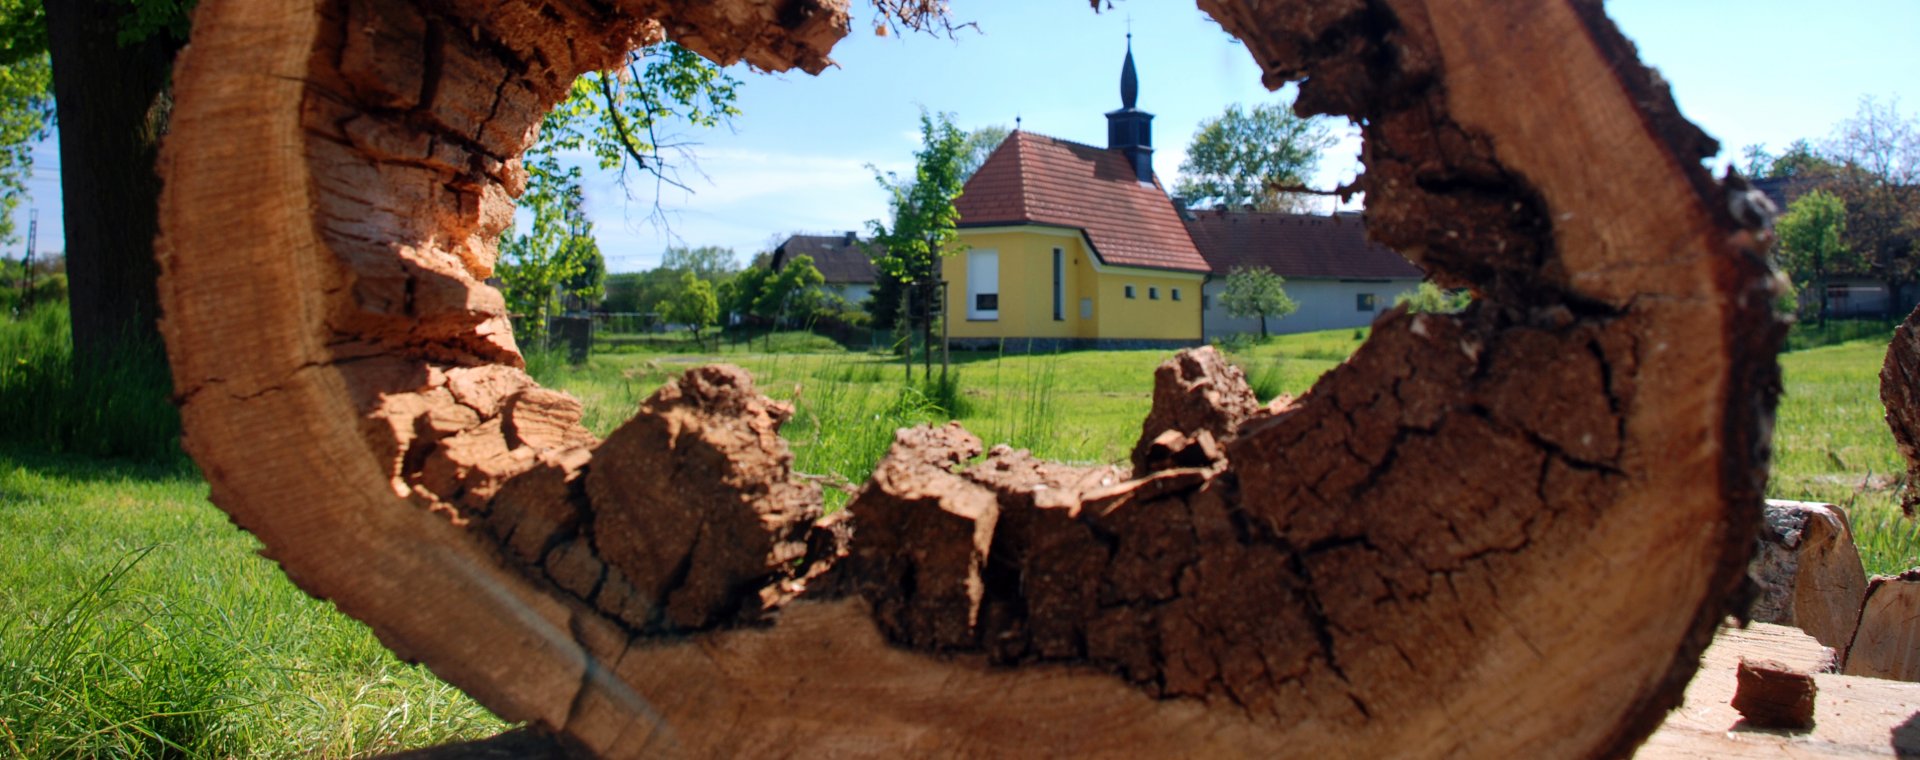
(112, 106)
(1508, 532)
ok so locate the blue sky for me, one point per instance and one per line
(1753, 71)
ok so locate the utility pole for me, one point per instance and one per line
(26, 265)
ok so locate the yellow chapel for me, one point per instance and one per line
(1065, 245)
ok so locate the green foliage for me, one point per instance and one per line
(741, 293)
(26, 116)
(118, 406)
(790, 290)
(1257, 292)
(694, 306)
(555, 250)
(924, 225)
(924, 218)
(1801, 160)
(1812, 243)
(615, 115)
(1431, 299)
(149, 19)
(980, 144)
(1243, 156)
(708, 262)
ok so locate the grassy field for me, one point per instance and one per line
(136, 621)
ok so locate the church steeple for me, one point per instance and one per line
(1130, 130)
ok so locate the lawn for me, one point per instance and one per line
(136, 621)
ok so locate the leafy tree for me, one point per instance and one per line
(1432, 299)
(695, 305)
(924, 220)
(26, 116)
(980, 144)
(739, 293)
(1800, 160)
(789, 290)
(1812, 239)
(708, 262)
(1878, 153)
(1257, 292)
(553, 251)
(1248, 156)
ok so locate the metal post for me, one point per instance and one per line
(945, 334)
(26, 264)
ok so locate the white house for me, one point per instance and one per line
(1338, 277)
(845, 262)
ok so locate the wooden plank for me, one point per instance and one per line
(1854, 717)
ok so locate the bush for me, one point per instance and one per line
(1430, 299)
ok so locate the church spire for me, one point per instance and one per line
(1130, 130)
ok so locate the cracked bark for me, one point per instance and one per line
(1532, 513)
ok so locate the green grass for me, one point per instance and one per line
(118, 407)
(135, 621)
(1831, 444)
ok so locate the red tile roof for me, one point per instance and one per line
(1035, 179)
(1295, 246)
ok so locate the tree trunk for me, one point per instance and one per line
(112, 106)
(1508, 532)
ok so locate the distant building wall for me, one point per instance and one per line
(1324, 305)
(854, 292)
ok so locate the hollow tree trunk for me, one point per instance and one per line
(1508, 532)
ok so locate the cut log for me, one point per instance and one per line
(1508, 532)
(1887, 643)
(1854, 717)
(1900, 394)
(1807, 571)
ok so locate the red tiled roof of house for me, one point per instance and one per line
(1294, 245)
(1035, 179)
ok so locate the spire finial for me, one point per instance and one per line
(1129, 82)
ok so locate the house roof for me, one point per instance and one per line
(841, 259)
(1035, 179)
(1295, 246)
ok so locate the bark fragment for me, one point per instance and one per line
(1773, 695)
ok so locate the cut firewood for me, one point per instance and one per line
(1887, 643)
(1508, 532)
(1900, 394)
(1807, 571)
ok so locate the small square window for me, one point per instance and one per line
(1363, 301)
(1153, 294)
(1129, 291)
(986, 301)
(1176, 294)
